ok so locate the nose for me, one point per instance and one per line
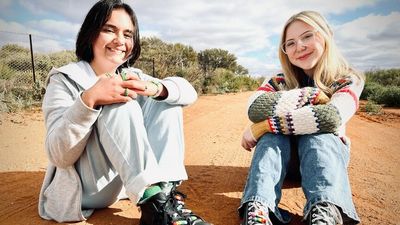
(300, 46)
(119, 39)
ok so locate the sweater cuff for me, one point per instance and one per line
(259, 129)
(80, 114)
(173, 91)
(321, 98)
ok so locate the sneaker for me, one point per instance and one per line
(153, 210)
(325, 213)
(162, 209)
(256, 214)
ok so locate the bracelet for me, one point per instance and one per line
(159, 88)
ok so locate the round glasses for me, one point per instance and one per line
(306, 38)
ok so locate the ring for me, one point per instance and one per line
(108, 75)
(126, 92)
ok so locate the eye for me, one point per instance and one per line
(108, 30)
(128, 35)
(289, 44)
(307, 36)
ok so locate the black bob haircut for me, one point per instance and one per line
(94, 22)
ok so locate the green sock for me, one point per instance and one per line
(149, 192)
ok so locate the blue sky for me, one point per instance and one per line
(367, 32)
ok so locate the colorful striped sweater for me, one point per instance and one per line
(304, 110)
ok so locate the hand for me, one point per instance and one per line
(144, 88)
(248, 141)
(321, 98)
(108, 90)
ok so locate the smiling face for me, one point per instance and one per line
(308, 46)
(114, 43)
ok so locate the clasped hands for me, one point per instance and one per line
(113, 88)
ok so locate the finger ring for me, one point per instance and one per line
(108, 75)
(126, 92)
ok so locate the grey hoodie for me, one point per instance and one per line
(69, 123)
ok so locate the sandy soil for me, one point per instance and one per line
(216, 164)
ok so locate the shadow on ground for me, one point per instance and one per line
(213, 192)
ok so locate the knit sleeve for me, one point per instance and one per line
(269, 104)
(315, 118)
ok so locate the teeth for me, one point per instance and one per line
(117, 51)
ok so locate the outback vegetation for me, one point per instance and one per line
(210, 71)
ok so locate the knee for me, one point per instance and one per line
(160, 108)
(122, 111)
(325, 147)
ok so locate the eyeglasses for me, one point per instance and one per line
(291, 45)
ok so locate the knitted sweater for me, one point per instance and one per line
(305, 110)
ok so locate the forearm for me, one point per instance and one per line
(68, 122)
(175, 90)
(270, 104)
(306, 120)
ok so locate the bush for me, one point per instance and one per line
(383, 87)
(370, 89)
(372, 108)
(389, 96)
(389, 77)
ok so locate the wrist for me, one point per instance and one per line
(158, 90)
(87, 100)
(259, 129)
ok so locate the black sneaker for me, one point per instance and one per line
(153, 210)
(255, 214)
(324, 213)
(162, 209)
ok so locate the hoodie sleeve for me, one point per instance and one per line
(68, 121)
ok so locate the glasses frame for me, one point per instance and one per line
(299, 38)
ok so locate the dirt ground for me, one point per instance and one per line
(216, 164)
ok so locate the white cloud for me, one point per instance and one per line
(241, 27)
(71, 10)
(371, 41)
(259, 67)
(44, 35)
(55, 28)
(230, 24)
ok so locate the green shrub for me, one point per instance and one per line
(370, 89)
(389, 96)
(372, 108)
(388, 77)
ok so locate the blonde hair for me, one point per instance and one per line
(332, 64)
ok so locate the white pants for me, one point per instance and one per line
(134, 145)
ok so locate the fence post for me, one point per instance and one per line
(153, 68)
(33, 65)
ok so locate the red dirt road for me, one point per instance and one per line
(216, 164)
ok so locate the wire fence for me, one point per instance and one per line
(25, 61)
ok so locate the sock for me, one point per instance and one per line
(149, 192)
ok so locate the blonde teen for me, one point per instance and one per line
(305, 108)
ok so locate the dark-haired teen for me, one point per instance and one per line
(112, 131)
(308, 105)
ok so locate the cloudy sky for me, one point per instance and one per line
(366, 31)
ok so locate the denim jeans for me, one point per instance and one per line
(131, 147)
(323, 161)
